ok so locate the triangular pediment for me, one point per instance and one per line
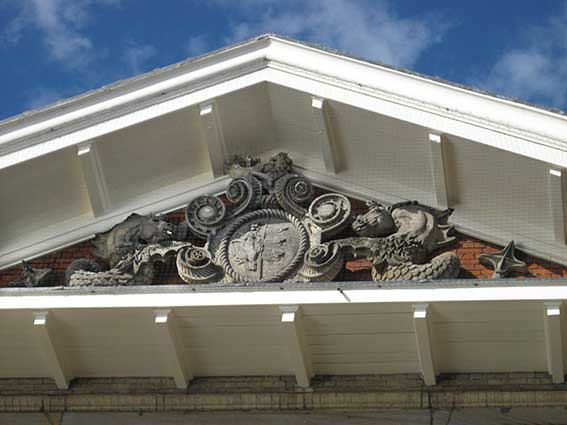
(153, 143)
(272, 224)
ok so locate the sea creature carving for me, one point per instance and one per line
(400, 239)
(31, 277)
(133, 233)
(268, 228)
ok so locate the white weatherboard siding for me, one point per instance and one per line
(227, 333)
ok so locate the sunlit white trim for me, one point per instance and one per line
(277, 298)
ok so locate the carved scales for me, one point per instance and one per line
(269, 228)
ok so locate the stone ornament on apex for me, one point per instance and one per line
(270, 227)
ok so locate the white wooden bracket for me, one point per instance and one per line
(172, 348)
(213, 135)
(423, 341)
(93, 174)
(325, 132)
(553, 341)
(43, 328)
(296, 342)
(438, 169)
(556, 194)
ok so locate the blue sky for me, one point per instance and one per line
(52, 49)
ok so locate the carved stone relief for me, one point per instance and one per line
(31, 277)
(269, 227)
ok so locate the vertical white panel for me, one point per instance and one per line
(300, 358)
(94, 177)
(44, 332)
(324, 129)
(423, 342)
(438, 169)
(556, 193)
(173, 350)
(213, 134)
(553, 341)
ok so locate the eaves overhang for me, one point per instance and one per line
(502, 123)
(319, 329)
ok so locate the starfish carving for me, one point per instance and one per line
(503, 262)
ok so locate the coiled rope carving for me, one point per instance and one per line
(303, 245)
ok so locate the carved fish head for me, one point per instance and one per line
(377, 222)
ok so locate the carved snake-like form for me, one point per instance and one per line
(404, 254)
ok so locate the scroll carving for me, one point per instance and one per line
(269, 227)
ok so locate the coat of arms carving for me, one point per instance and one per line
(270, 227)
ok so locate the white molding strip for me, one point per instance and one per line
(175, 359)
(47, 345)
(554, 341)
(421, 324)
(279, 297)
(556, 191)
(300, 358)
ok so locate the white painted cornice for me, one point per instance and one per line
(502, 123)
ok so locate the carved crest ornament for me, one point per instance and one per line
(269, 227)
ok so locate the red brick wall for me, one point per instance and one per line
(467, 248)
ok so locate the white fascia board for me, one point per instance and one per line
(486, 119)
(468, 127)
(279, 297)
(160, 82)
(420, 89)
(89, 132)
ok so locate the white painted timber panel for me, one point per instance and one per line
(49, 190)
(499, 190)
(293, 123)
(247, 121)
(153, 154)
(382, 153)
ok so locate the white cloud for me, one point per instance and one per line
(536, 69)
(135, 56)
(197, 45)
(370, 29)
(60, 23)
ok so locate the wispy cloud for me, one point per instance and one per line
(534, 70)
(371, 29)
(197, 45)
(135, 57)
(60, 22)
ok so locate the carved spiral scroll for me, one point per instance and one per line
(292, 190)
(322, 262)
(194, 265)
(330, 213)
(245, 193)
(223, 254)
(203, 214)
